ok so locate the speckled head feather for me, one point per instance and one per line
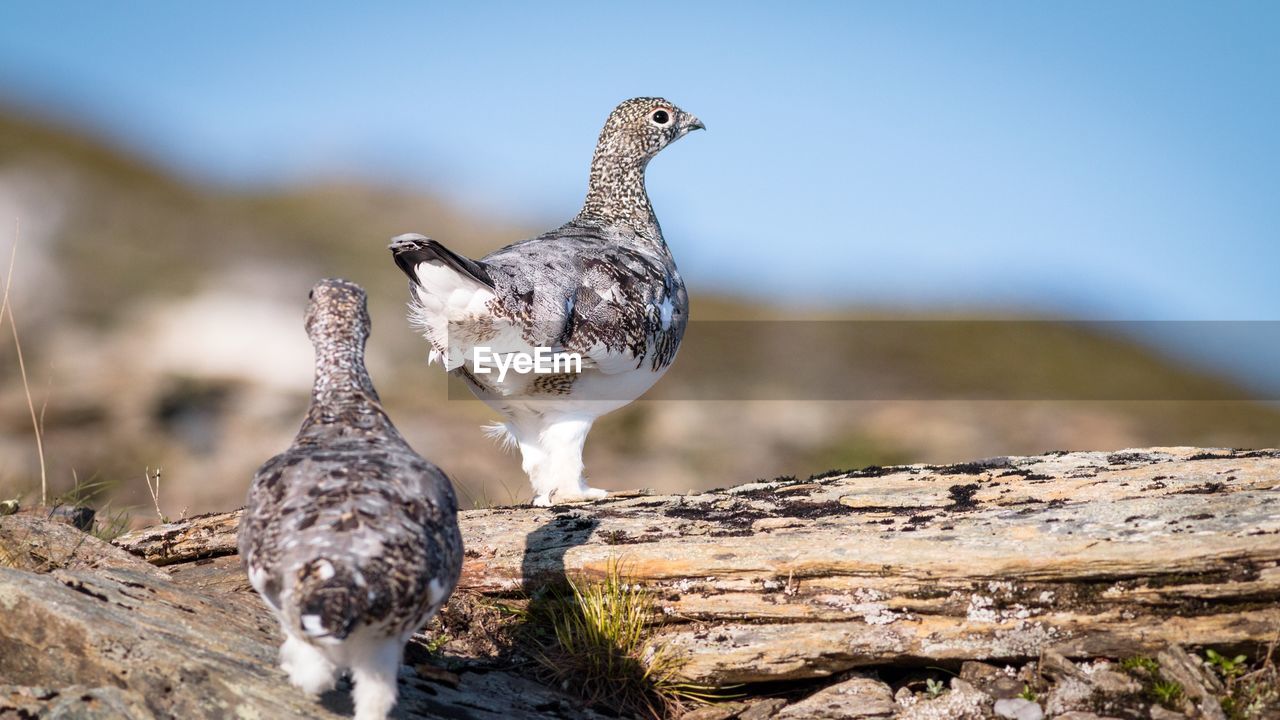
(338, 313)
(636, 131)
(338, 324)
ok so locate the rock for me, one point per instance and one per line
(1004, 687)
(1084, 552)
(1084, 687)
(962, 702)
(1018, 709)
(992, 680)
(978, 672)
(1068, 694)
(437, 675)
(77, 516)
(202, 536)
(762, 710)
(1162, 713)
(718, 711)
(1078, 715)
(857, 697)
(40, 544)
(1057, 666)
(1111, 683)
(74, 702)
(1200, 685)
(127, 642)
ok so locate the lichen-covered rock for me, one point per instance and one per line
(1033, 560)
(1084, 552)
(1018, 709)
(856, 697)
(962, 702)
(1069, 694)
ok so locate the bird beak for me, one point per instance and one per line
(691, 123)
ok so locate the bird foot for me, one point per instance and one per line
(582, 494)
(577, 494)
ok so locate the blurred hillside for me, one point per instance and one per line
(162, 327)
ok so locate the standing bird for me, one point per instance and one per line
(349, 535)
(603, 286)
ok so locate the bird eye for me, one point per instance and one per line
(661, 117)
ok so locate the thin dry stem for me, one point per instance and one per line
(155, 491)
(13, 255)
(22, 370)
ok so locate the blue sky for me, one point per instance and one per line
(1116, 160)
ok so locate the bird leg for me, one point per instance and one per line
(374, 675)
(559, 476)
(308, 668)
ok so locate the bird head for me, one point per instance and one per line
(337, 314)
(643, 126)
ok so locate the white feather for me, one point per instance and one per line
(313, 626)
(500, 433)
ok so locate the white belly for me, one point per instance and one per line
(591, 394)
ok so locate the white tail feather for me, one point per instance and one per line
(501, 434)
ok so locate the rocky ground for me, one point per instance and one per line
(1075, 586)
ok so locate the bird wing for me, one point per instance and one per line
(572, 290)
(586, 293)
(454, 301)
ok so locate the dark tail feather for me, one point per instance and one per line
(412, 249)
(330, 607)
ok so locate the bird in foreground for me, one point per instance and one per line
(602, 286)
(349, 536)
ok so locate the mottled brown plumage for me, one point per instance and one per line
(349, 535)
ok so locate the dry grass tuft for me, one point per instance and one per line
(593, 638)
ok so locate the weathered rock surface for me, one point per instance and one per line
(1093, 554)
(962, 702)
(1200, 686)
(32, 542)
(1017, 709)
(1032, 561)
(118, 638)
(857, 697)
(197, 537)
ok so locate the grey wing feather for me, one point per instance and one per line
(585, 292)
